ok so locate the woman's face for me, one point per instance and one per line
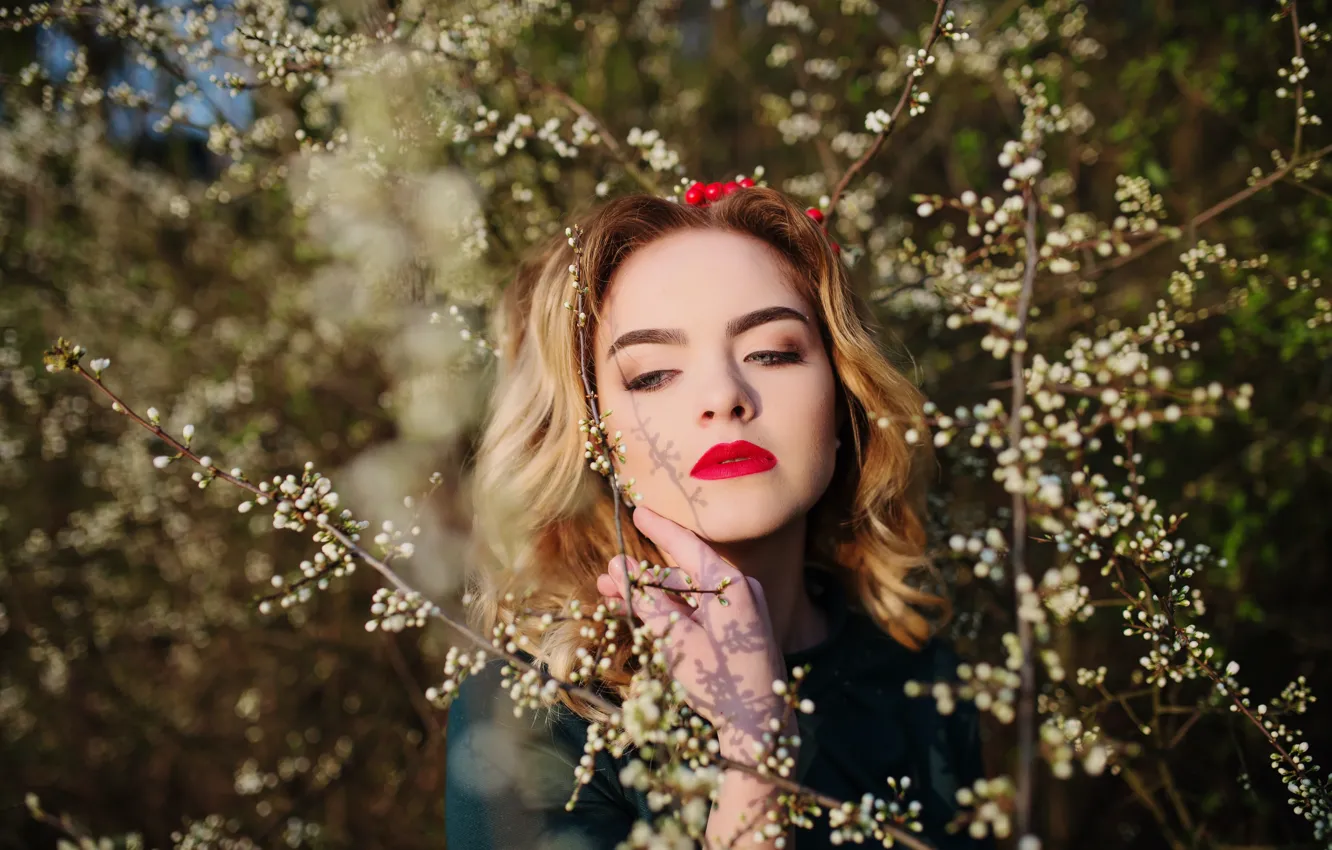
(703, 342)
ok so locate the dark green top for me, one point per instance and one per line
(507, 780)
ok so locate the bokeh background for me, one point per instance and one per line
(299, 265)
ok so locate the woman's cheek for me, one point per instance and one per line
(640, 429)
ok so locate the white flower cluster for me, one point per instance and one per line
(825, 69)
(992, 689)
(1176, 652)
(920, 101)
(918, 60)
(856, 822)
(776, 753)
(781, 55)
(298, 503)
(852, 145)
(601, 628)
(530, 690)
(799, 127)
(991, 803)
(859, 7)
(652, 147)
(601, 442)
(987, 546)
(694, 788)
(1065, 596)
(1295, 74)
(784, 13)
(395, 610)
(878, 121)
(667, 833)
(1065, 739)
(210, 832)
(475, 237)
(458, 665)
(583, 132)
(642, 712)
(514, 135)
(1022, 164)
(1139, 206)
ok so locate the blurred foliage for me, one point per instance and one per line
(265, 267)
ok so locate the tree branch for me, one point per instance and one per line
(936, 29)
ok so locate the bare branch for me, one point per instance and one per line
(936, 29)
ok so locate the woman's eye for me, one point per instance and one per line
(777, 358)
(649, 381)
(646, 382)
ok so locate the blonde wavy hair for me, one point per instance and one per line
(544, 520)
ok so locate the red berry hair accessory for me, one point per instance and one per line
(701, 194)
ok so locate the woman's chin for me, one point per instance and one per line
(734, 524)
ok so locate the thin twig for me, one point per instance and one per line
(1027, 694)
(584, 373)
(1240, 706)
(936, 29)
(1299, 84)
(607, 137)
(1212, 211)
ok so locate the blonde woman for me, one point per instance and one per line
(767, 439)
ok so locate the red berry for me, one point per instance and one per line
(837, 249)
(730, 186)
(713, 191)
(814, 213)
(746, 183)
(694, 194)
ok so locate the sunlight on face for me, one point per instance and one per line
(711, 346)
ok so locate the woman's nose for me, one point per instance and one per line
(727, 395)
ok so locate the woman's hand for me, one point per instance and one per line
(724, 655)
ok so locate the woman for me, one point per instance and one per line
(767, 439)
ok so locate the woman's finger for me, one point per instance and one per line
(665, 580)
(652, 605)
(678, 584)
(759, 597)
(695, 557)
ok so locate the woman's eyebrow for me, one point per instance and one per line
(735, 327)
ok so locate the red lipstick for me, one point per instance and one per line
(731, 460)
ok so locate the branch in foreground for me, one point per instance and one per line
(306, 502)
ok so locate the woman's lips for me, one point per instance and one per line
(731, 460)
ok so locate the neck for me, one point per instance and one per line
(778, 562)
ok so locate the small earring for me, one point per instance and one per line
(837, 444)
